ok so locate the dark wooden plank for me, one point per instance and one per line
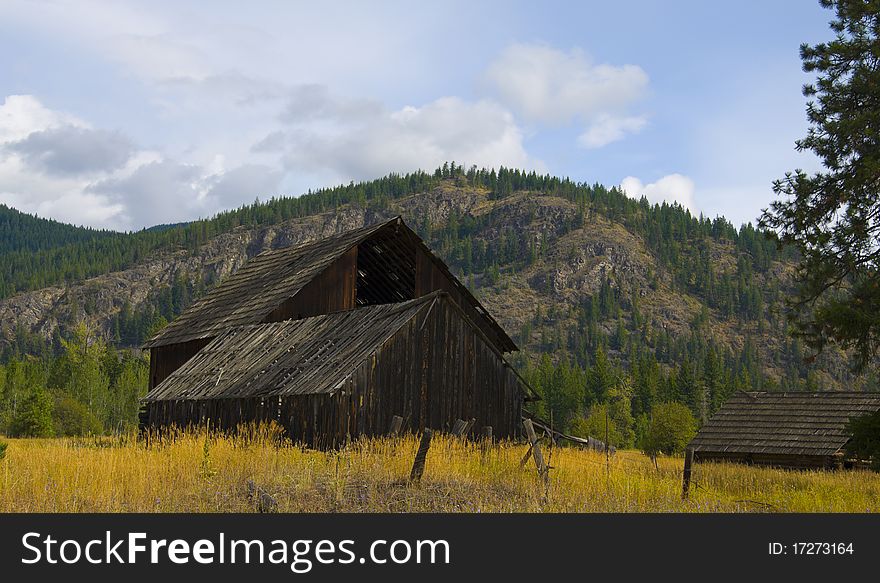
(418, 468)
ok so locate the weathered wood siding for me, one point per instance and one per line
(797, 462)
(434, 370)
(430, 278)
(164, 360)
(333, 290)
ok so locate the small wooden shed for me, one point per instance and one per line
(790, 430)
(328, 378)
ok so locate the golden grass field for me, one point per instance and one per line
(196, 473)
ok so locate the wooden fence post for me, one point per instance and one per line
(686, 475)
(536, 452)
(486, 443)
(396, 424)
(419, 463)
(525, 459)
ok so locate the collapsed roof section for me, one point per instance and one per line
(295, 357)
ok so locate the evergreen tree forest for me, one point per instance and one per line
(599, 366)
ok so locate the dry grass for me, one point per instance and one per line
(119, 475)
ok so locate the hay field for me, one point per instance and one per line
(201, 473)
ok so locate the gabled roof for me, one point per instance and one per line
(307, 356)
(800, 423)
(249, 295)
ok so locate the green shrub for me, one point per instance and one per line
(73, 418)
(3, 446)
(865, 441)
(671, 427)
(594, 425)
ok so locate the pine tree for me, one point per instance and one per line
(831, 216)
(34, 417)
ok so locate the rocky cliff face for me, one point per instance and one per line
(99, 298)
(572, 265)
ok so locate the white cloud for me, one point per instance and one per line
(555, 88)
(374, 141)
(607, 129)
(670, 188)
(54, 164)
(21, 115)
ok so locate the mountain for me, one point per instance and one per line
(578, 272)
(24, 232)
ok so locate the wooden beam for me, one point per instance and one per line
(536, 452)
(459, 427)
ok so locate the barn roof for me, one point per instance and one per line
(797, 424)
(250, 294)
(307, 356)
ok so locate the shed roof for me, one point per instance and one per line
(250, 294)
(307, 356)
(797, 424)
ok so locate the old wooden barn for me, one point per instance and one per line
(332, 339)
(791, 430)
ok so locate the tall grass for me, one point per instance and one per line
(198, 472)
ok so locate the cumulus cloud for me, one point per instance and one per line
(606, 129)
(73, 150)
(671, 188)
(553, 87)
(374, 141)
(54, 164)
(21, 115)
(26, 184)
(166, 191)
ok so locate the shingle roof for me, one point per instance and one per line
(812, 424)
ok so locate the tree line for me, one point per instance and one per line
(90, 387)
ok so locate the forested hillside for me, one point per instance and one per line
(616, 303)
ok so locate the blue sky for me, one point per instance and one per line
(127, 114)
